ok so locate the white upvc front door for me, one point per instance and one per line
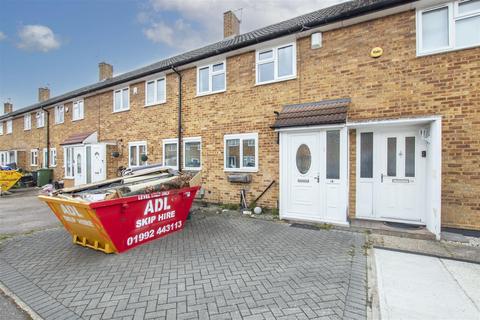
(303, 175)
(313, 179)
(80, 165)
(401, 176)
(391, 174)
(98, 162)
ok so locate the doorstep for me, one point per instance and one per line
(381, 227)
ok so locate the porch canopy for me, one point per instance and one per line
(312, 114)
(80, 138)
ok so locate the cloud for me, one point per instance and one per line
(2, 36)
(207, 17)
(180, 35)
(37, 38)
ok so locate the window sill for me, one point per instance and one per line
(237, 170)
(209, 93)
(57, 123)
(275, 81)
(27, 129)
(155, 104)
(120, 111)
(440, 51)
(75, 120)
(192, 168)
(33, 165)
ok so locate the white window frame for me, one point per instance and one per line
(212, 73)
(155, 91)
(3, 158)
(53, 157)
(122, 108)
(65, 162)
(34, 156)
(27, 121)
(453, 17)
(44, 158)
(9, 126)
(240, 137)
(60, 109)
(137, 155)
(184, 142)
(40, 119)
(274, 59)
(76, 104)
(165, 142)
(1, 128)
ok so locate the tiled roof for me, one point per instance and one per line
(311, 114)
(314, 19)
(77, 138)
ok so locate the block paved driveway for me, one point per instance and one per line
(216, 268)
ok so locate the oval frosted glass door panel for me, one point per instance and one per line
(303, 159)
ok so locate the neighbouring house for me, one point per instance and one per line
(363, 110)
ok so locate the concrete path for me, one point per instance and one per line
(414, 286)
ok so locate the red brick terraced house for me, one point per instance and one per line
(368, 109)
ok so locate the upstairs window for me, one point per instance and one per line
(9, 126)
(276, 64)
(155, 92)
(211, 78)
(27, 121)
(451, 26)
(40, 115)
(77, 110)
(59, 114)
(121, 100)
(1, 128)
(136, 151)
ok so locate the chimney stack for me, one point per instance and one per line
(231, 25)
(105, 71)
(43, 94)
(7, 107)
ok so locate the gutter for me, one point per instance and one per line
(179, 145)
(376, 6)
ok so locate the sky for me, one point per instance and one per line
(59, 43)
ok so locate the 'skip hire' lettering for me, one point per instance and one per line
(155, 206)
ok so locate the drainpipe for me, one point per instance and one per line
(179, 145)
(47, 160)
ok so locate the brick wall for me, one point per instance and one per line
(398, 84)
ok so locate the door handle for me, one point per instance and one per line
(381, 178)
(317, 178)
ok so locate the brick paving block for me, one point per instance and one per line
(216, 268)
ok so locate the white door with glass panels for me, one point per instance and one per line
(79, 165)
(98, 162)
(313, 177)
(391, 166)
(400, 193)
